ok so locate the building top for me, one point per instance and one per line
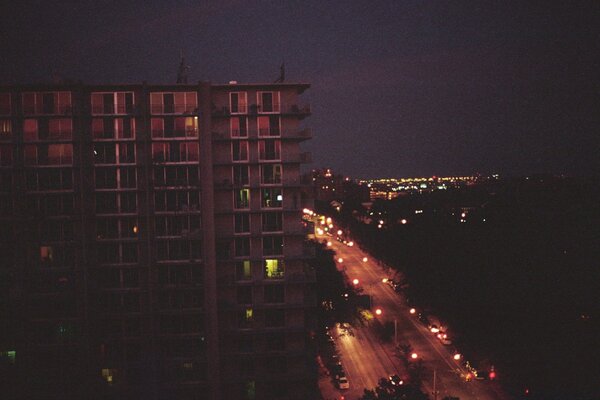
(300, 87)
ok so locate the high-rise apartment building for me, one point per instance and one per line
(151, 243)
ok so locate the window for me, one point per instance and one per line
(242, 246)
(112, 103)
(272, 222)
(170, 127)
(246, 318)
(175, 176)
(46, 103)
(6, 154)
(105, 153)
(240, 175)
(242, 199)
(106, 178)
(239, 150)
(273, 245)
(244, 295)
(173, 103)
(60, 129)
(111, 128)
(48, 154)
(242, 223)
(269, 150)
(269, 125)
(243, 270)
(5, 129)
(271, 198)
(112, 177)
(106, 203)
(275, 341)
(128, 202)
(126, 152)
(239, 127)
(126, 178)
(274, 268)
(268, 102)
(177, 249)
(274, 294)
(238, 102)
(270, 174)
(177, 225)
(5, 106)
(274, 318)
(180, 200)
(50, 179)
(174, 152)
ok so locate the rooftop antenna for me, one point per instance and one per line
(182, 76)
(281, 73)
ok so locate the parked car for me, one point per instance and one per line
(395, 380)
(343, 383)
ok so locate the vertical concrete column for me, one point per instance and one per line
(209, 259)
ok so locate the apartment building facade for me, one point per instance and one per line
(151, 242)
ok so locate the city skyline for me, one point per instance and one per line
(419, 89)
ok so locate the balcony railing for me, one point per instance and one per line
(173, 108)
(111, 109)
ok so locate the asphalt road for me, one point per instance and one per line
(366, 359)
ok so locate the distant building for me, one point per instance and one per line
(329, 187)
(151, 243)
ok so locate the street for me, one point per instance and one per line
(366, 359)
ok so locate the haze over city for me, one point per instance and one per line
(415, 88)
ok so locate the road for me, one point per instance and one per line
(366, 359)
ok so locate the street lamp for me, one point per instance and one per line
(378, 311)
(414, 356)
(355, 281)
(365, 259)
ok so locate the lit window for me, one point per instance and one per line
(108, 374)
(274, 268)
(5, 129)
(243, 270)
(8, 356)
(46, 254)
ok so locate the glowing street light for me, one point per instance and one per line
(384, 280)
(457, 357)
(355, 281)
(339, 232)
(414, 356)
(340, 260)
(412, 311)
(378, 311)
(329, 244)
(365, 259)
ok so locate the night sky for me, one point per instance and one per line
(399, 88)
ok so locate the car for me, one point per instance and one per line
(395, 380)
(338, 370)
(343, 383)
(444, 338)
(423, 318)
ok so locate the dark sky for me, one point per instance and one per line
(399, 88)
